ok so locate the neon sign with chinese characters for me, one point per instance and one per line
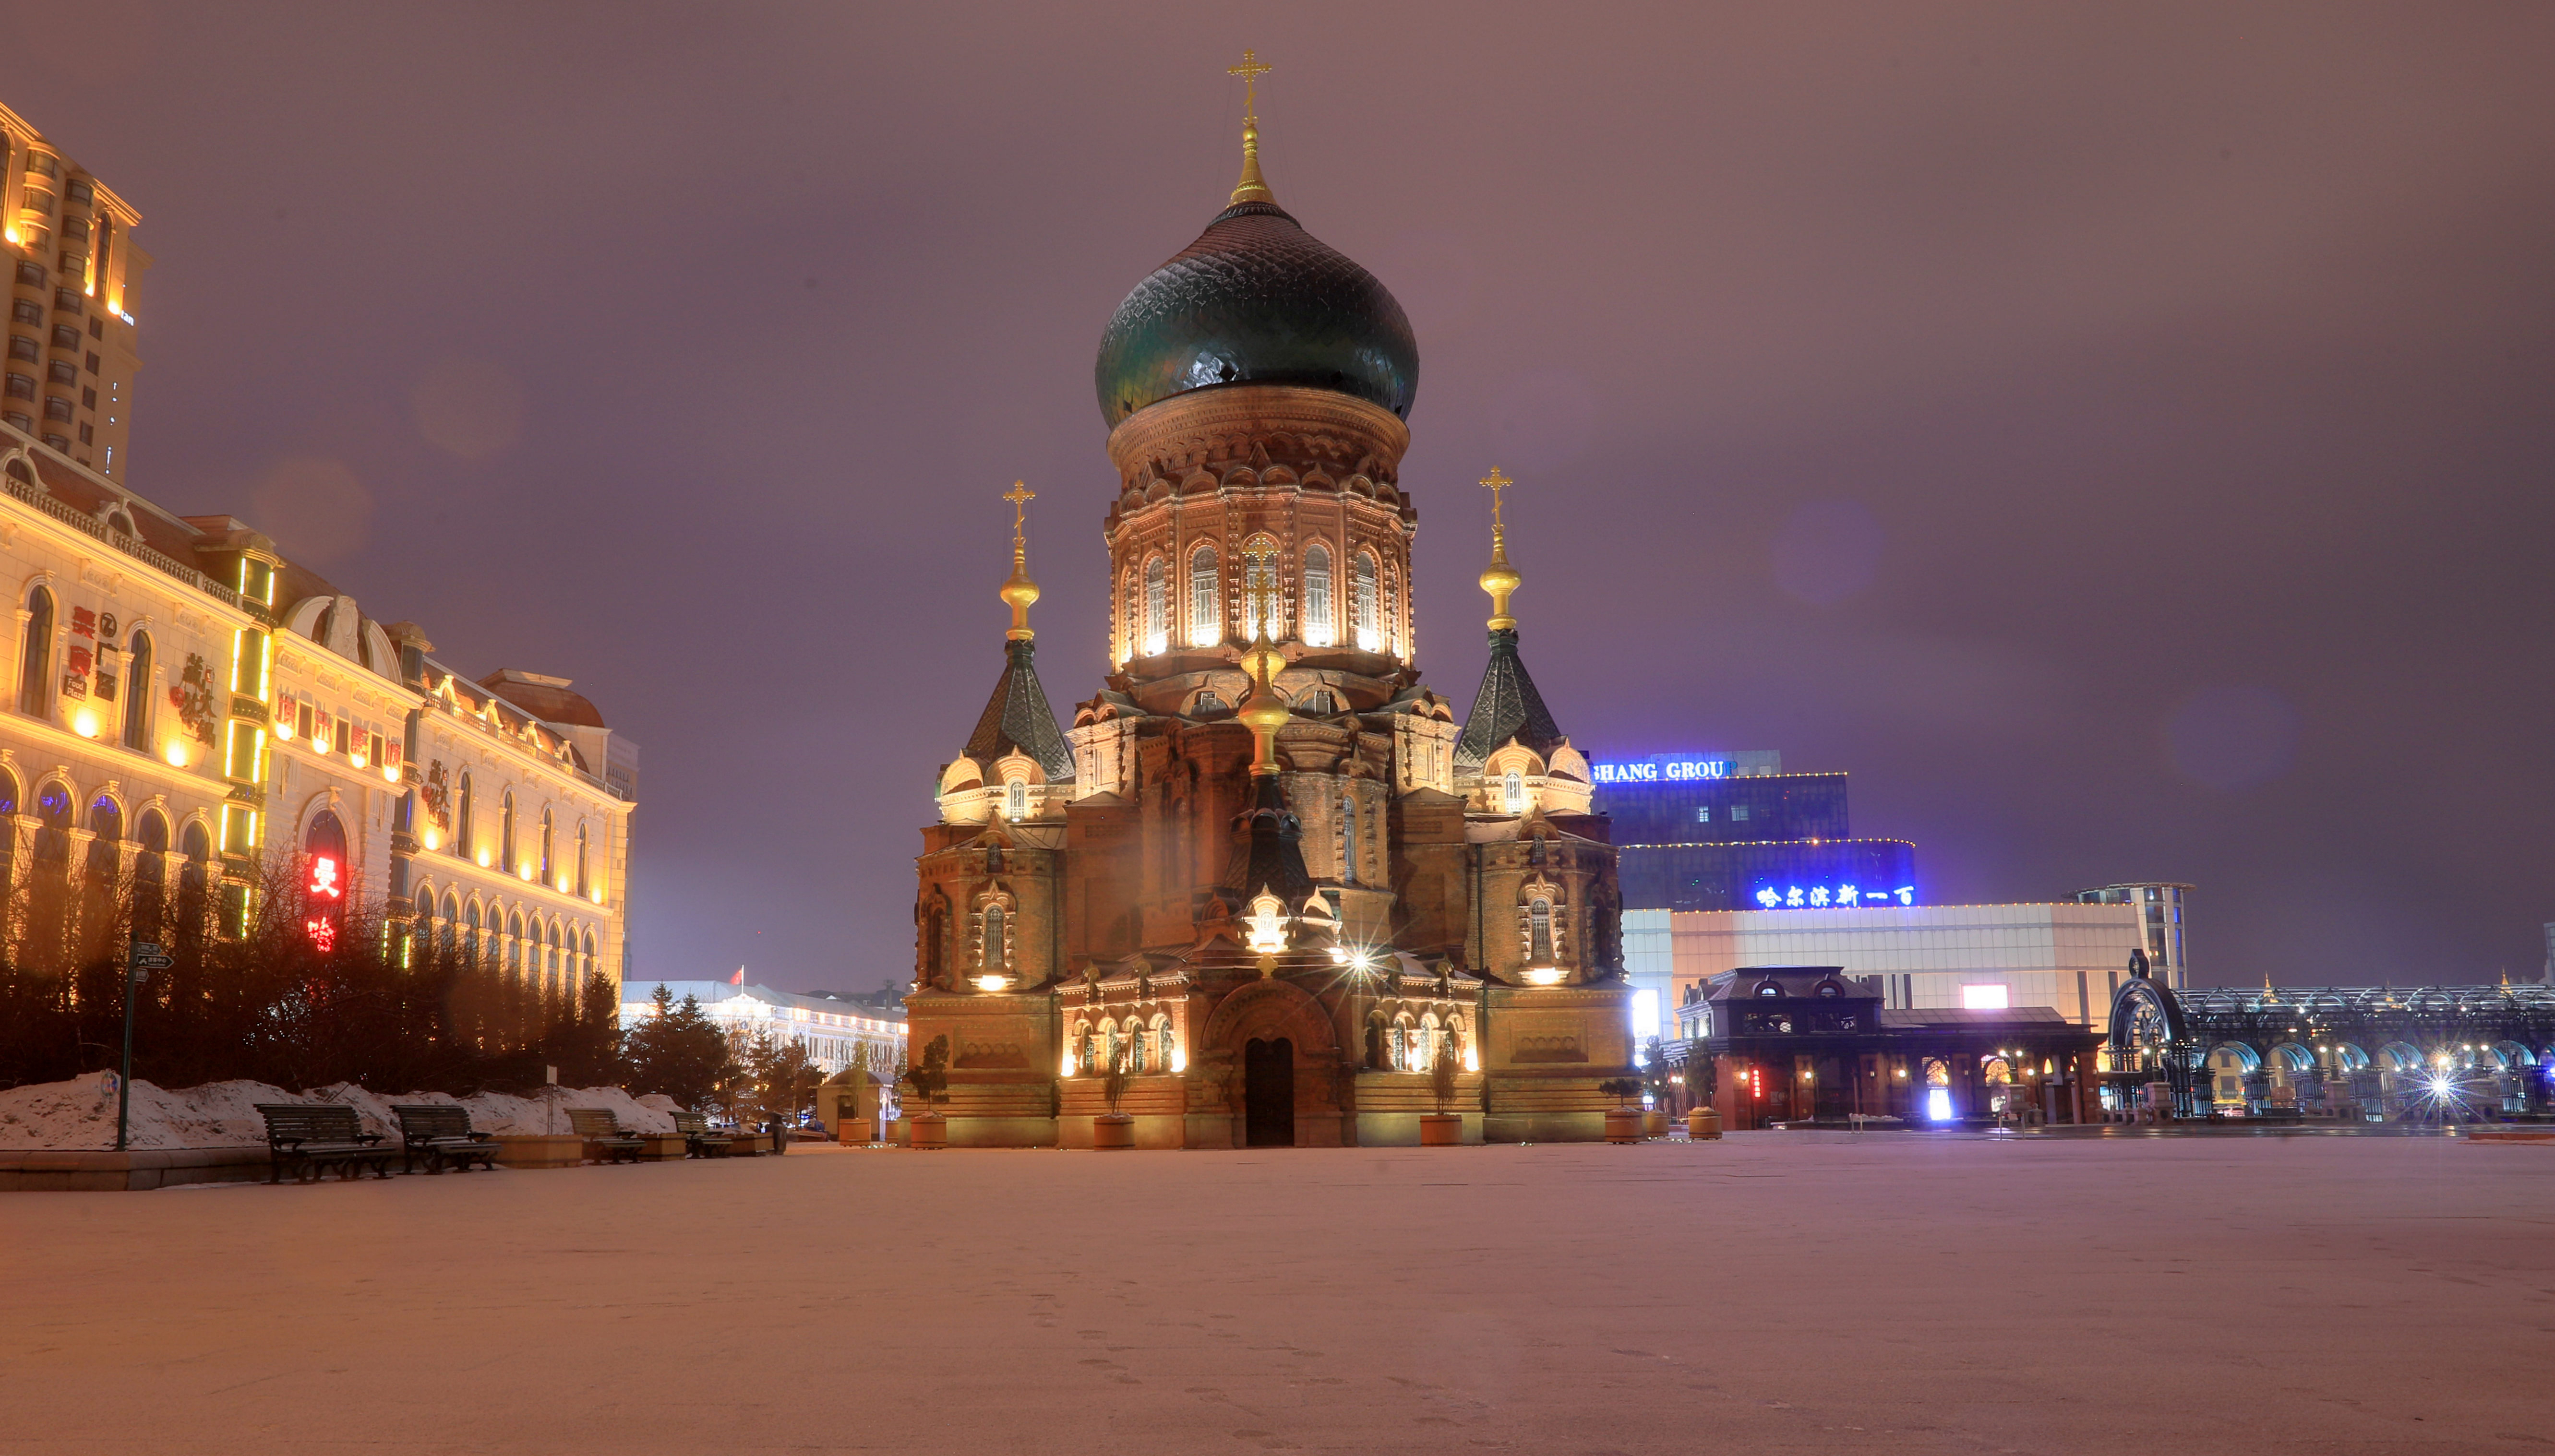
(324, 894)
(1820, 897)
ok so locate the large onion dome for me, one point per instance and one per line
(1256, 299)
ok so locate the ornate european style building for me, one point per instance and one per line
(189, 710)
(1266, 870)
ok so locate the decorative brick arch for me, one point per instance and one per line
(1265, 1010)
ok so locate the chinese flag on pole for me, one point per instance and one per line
(739, 978)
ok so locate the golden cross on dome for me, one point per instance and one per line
(1251, 71)
(1496, 482)
(1020, 495)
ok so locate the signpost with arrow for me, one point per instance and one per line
(140, 958)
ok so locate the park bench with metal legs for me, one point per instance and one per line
(439, 1133)
(603, 1135)
(699, 1139)
(310, 1137)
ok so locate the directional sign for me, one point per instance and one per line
(146, 958)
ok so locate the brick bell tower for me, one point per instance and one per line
(1266, 875)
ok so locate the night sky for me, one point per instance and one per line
(2119, 435)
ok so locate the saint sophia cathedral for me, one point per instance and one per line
(1266, 871)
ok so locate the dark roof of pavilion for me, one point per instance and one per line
(1018, 717)
(1505, 708)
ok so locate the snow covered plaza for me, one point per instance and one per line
(1773, 1292)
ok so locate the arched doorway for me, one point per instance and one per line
(1269, 1093)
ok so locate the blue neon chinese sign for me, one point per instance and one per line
(1821, 896)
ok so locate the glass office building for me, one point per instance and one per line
(1735, 832)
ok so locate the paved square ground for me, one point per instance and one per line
(1770, 1292)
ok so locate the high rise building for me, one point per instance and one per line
(73, 270)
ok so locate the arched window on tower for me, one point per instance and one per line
(1513, 791)
(1538, 919)
(470, 933)
(1370, 628)
(989, 957)
(506, 831)
(1318, 628)
(548, 881)
(1260, 585)
(451, 925)
(1348, 838)
(138, 694)
(515, 943)
(583, 885)
(36, 657)
(1016, 799)
(1206, 607)
(1166, 1049)
(1130, 619)
(1157, 610)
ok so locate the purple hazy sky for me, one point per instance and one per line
(2120, 436)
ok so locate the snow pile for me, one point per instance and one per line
(80, 1113)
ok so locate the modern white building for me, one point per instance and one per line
(2159, 904)
(838, 1033)
(2069, 956)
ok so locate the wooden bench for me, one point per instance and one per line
(603, 1136)
(699, 1139)
(441, 1134)
(310, 1137)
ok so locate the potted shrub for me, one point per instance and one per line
(1655, 1118)
(1443, 1128)
(1623, 1121)
(1114, 1130)
(929, 1080)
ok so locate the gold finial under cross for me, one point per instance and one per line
(1253, 188)
(1019, 591)
(1259, 554)
(1499, 579)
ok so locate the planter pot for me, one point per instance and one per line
(1655, 1123)
(854, 1132)
(1703, 1123)
(927, 1130)
(540, 1150)
(660, 1148)
(1440, 1130)
(1113, 1131)
(1623, 1124)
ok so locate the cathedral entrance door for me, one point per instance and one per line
(1269, 1093)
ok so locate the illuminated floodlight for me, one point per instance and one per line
(1938, 1104)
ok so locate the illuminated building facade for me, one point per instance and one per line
(1734, 832)
(188, 710)
(1265, 868)
(2070, 956)
(73, 274)
(1777, 1043)
(837, 1034)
